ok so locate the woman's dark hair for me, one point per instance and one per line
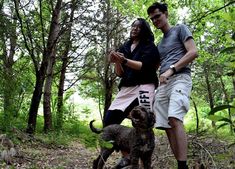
(146, 33)
(161, 6)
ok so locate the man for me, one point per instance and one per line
(177, 49)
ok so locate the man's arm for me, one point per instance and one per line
(189, 56)
(184, 61)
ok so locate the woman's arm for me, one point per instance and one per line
(133, 64)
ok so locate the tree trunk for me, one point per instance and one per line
(37, 94)
(233, 81)
(197, 117)
(40, 76)
(47, 95)
(60, 112)
(9, 88)
(227, 102)
(112, 41)
(209, 90)
(107, 79)
(108, 94)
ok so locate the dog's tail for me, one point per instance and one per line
(93, 129)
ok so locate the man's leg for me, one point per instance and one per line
(178, 141)
(178, 107)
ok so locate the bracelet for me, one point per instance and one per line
(173, 68)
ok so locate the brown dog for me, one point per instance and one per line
(138, 141)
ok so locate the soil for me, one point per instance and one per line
(203, 152)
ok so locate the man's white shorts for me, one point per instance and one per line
(172, 99)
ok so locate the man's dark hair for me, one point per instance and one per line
(146, 33)
(161, 6)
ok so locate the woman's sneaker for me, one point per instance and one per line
(123, 162)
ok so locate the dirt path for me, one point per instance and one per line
(74, 156)
(210, 152)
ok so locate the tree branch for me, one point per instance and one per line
(211, 12)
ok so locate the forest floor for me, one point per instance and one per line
(34, 154)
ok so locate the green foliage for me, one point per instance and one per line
(55, 138)
(213, 31)
(80, 129)
(226, 121)
(106, 144)
(228, 50)
(219, 108)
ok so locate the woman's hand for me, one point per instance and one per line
(116, 57)
(112, 57)
(120, 57)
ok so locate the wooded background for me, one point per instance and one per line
(51, 49)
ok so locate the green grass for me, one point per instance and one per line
(75, 129)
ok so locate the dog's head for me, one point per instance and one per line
(142, 118)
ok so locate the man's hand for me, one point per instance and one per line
(164, 77)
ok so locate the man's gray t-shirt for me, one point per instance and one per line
(171, 47)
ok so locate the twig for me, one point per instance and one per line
(193, 142)
(160, 159)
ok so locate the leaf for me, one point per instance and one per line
(215, 118)
(227, 16)
(233, 36)
(222, 125)
(226, 120)
(233, 144)
(228, 50)
(219, 108)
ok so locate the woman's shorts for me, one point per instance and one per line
(144, 93)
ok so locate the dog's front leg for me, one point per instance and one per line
(135, 154)
(104, 154)
(147, 160)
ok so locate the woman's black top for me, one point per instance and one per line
(145, 52)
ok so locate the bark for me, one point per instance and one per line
(47, 95)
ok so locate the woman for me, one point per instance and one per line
(135, 62)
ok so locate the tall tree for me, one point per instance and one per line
(49, 54)
(48, 46)
(64, 58)
(8, 38)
